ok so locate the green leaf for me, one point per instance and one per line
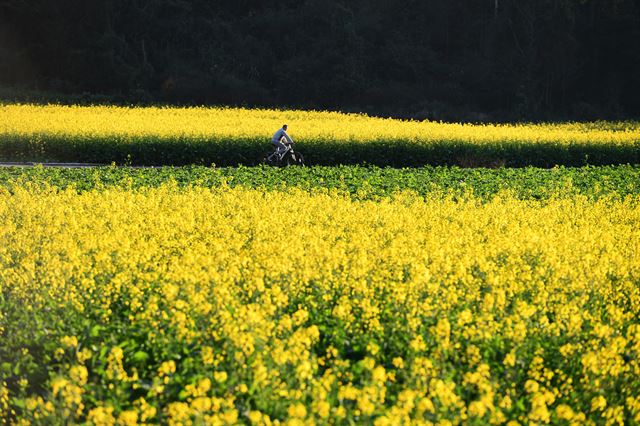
(95, 331)
(140, 357)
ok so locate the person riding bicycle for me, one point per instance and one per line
(284, 154)
(278, 137)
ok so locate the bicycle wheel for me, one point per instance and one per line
(270, 160)
(288, 159)
(293, 159)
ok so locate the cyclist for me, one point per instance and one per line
(277, 138)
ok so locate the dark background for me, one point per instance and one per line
(470, 60)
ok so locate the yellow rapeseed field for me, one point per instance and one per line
(226, 306)
(232, 136)
(235, 123)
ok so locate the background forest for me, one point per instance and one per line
(470, 60)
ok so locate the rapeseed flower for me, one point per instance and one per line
(199, 305)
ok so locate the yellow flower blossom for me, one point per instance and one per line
(477, 409)
(79, 374)
(510, 359)
(178, 413)
(598, 403)
(69, 341)
(166, 368)
(220, 376)
(297, 410)
(101, 416)
(322, 409)
(128, 418)
(565, 412)
(83, 355)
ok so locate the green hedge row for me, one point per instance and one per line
(362, 182)
(190, 151)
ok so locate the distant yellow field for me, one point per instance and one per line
(235, 123)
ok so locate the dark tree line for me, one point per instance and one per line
(442, 59)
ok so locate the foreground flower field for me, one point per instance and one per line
(223, 306)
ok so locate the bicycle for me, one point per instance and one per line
(288, 157)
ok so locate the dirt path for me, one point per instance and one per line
(68, 165)
(64, 165)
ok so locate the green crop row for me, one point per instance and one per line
(361, 182)
(177, 151)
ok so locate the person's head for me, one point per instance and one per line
(284, 127)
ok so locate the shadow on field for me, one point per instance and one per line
(186, 151)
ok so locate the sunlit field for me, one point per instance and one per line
(224, 305)
(339, 293)
(231, 136)
(331, 213)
